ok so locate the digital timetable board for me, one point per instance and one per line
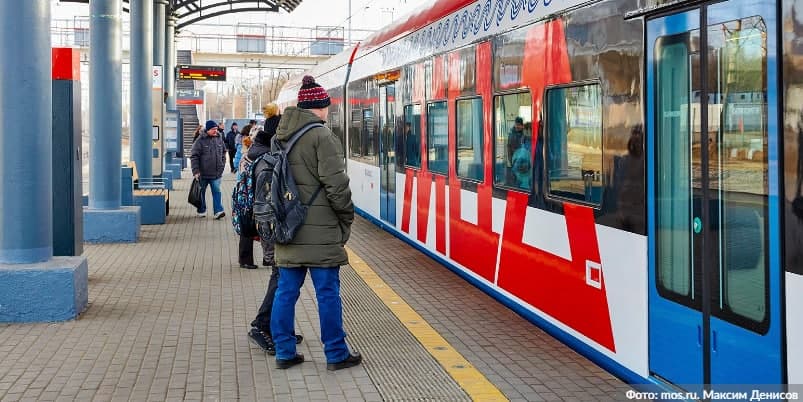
(204, 73)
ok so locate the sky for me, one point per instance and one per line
(367, 15)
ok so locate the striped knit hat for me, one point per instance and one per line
(311, 95)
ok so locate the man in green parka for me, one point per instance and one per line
(315, 161)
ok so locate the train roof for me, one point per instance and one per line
(430, 29)
(413, 21)
(407, 24)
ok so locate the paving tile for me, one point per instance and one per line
(168, 317)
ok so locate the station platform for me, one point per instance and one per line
(168, 317)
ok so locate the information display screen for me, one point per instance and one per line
(205, 73)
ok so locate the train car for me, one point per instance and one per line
(624, 173)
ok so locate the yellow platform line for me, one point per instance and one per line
(469, 378)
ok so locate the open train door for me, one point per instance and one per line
(713, 195)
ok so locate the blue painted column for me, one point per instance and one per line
(159, 60)
(106, 220)
(141, 64)
(26, 202)
(105, 79)
(170, 62)
(34, 285)
(159, 32)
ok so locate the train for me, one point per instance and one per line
(626, 174)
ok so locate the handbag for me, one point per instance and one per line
(195, 197)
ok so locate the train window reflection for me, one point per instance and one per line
(466, 76)
(368, 135)
(574, 142)
(354, 133)
(513, 141)
(508, 59)
(412, 136)
(469, 139)
(437, 138)
(738, 163)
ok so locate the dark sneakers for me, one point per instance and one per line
(354, 359)
(248, 266)
(265, 342)
(286, 364)
(262, 340)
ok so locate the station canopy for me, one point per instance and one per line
(191, 11)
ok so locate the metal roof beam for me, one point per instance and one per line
(186, 19)
(199, 7)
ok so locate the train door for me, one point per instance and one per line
(387, 153)
(714, 298)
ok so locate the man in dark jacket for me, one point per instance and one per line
(315, 161)
(208, 161)
(231, 146)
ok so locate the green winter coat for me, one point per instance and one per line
(317, 160)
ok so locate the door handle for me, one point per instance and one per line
(699, 336)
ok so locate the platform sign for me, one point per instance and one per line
(202, 73)
(156, 77)
(171, 131)
(189, 97)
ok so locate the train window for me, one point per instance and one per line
(368, 135)
(412, 136)
(405, 86)
(354, 133)
(437, 137)
(508, 59)
(466, 77)
(573, 148)
(513, 159)
(739, 50)
(469, 139)
(336, 125)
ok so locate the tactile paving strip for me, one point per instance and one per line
(407, 371)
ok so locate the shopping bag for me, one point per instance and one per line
(195, 197)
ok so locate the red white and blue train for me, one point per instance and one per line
(626, 174)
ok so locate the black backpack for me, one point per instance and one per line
(278, 210)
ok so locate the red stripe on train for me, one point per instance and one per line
(552, 284)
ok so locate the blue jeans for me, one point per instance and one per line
(330, 310)
(217, 203)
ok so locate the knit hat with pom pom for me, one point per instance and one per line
(311, 95)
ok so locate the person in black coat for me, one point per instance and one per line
(260, 333)
(231, 146)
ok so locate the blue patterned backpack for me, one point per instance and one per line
(242, 201)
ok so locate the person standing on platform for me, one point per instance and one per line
(208, 159)
(316, 162)
(231, 146)
(238, 143)
(260, 333)
(261, 145)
